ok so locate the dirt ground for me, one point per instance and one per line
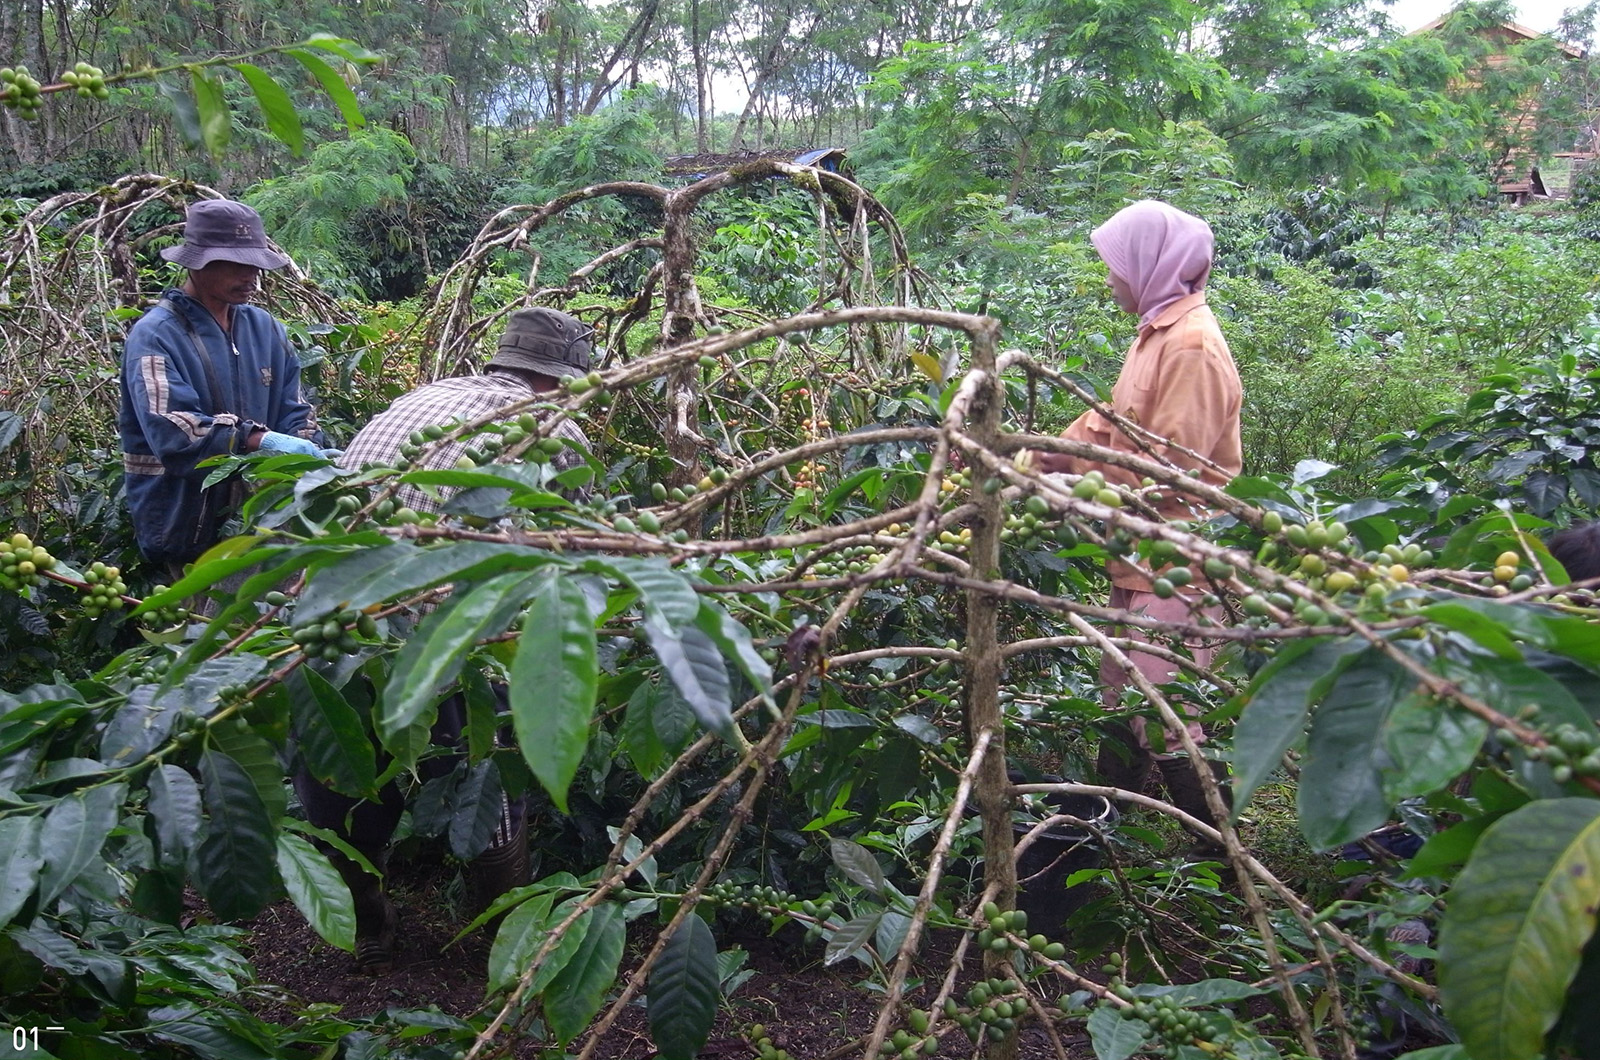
(808, 1009)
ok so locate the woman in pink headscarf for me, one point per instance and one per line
(1180, 384)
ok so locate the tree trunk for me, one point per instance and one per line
(680, 311)
(636, 36)
(701, 81)
(1021, 167)
(773, 61)
(26, 139)
(992, 790)
(558, 79)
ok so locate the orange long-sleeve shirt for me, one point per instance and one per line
(1178, 382)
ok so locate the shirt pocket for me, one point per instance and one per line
(1135, 389)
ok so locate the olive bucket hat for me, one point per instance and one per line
(222, 230)
(546, 341)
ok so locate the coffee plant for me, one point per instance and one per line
(201, 109)
(799, 580)
(1529, 435)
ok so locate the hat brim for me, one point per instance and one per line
(524, 361)
(193, 257)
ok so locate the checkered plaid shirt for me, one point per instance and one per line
(465, 398)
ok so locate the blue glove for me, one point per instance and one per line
(332, 454)
(274, 442)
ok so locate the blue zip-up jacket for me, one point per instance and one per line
(175, 414)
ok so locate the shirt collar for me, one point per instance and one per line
(502, 374)
(1171, 315)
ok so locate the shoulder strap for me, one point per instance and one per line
(200, 350)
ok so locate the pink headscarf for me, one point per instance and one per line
(1161, 253)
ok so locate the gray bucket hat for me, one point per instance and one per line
(546, 341)
(222, 230)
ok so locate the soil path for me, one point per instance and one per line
(808, 1009)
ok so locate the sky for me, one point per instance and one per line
(1541, 15)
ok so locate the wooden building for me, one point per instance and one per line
(1523, 177)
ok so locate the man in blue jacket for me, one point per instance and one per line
(205, 373)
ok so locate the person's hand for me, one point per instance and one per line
(332, 454)
(277, 442)
(1046, 463)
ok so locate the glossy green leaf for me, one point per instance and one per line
(1514, 684)
(260, 762)
(553, 682)
(1341, 796)
(733, 639)
(478, 801)
(367, 576)
(523, 933)
(185, 116)
(27, 717)
(1481, 628)
(432, 658)
(139, 726)
(672, 718)
(683, 994)
(208, 572)
(429, 1019)
(51, 947)
(74, 831)
(216, 122)
(333, 85)
(276, 107)
(1581, 683)
(20, 862)
(236, 862)
(517, 940)
(697, 669)
(1113, 1037)
(343, 46)
(1203, 992)
(174, 805)
(576, 994)
(1515, 925)
(893, 926)
(187, 1026)
(664, 593)
(492, 476)
(483, 718)
(919, 728)
(318, 891)
(859, 864)
(1447, 850)
(361, 1045)
(638, 733)
(1277, 704)
(1563, 634)
(852, 937)
(159, 896)
(1429, 744)
(198, 687)
(333, 743)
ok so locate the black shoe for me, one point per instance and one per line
(375, 939)
(377, 919)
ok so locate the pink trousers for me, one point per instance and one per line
(1113, 678)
